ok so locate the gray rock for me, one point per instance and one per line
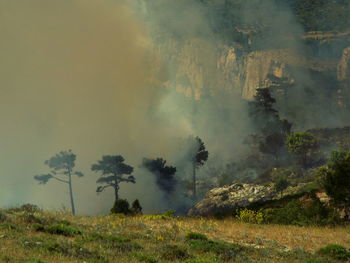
(227, 198)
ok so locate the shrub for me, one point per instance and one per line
(10, 226)
(3, 217)
(172, 252)
(34, 260)
(169, 213)
(224, 250)
(250, 216)
(62, 230)
(57, 229)
(136, 208)
(281, 184)
(30, 208)
(196, 236)
(199, 260)
(31, 219)
(145, 258)
(119, 243)
(335, 251)
(121, 206)
(296, 213)
(335, 177)
(302, 144)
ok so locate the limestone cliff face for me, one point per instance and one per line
(197, 64)
(259, 65)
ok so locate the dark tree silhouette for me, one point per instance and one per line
(265, 116)
(198, 156)
(136, 207)
(273, 144)
(302, 144)
(165, 175)
(112, 169)
(272, 131)
(264, 101)
(61, 165)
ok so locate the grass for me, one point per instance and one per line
(37, 236)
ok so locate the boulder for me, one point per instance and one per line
(226, 199)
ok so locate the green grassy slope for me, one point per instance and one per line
(31, 235)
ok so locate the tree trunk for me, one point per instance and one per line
(116, 188)
(194, 190)
(71, 192)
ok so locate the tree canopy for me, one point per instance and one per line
(113, 171)
(302, 144)
(335, 177)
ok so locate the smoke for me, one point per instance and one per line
(133, 78)
(74, 75)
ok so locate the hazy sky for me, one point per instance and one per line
(73, 75)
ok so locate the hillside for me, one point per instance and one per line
(28, 234)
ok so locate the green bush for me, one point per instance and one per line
(199, 260)
(297, 213)
(335, 251)
(250, 216)
(167, 215)
(62, 230)
(145, 258)
(170, 213)
(121, 206)
(224, 250)
(173, 252)
(281, 184)
(302, 144)
(3, 217)
(57, 229)
(34, 260)
(119, 243)
(335, 179)
(196, 236)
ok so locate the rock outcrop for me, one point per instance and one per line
(219, 200)
(225, 199)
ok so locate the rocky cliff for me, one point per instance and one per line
(197, 64)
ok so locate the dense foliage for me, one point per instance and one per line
(165, 175)
(302, 144)
(113, 171)
(335, 177)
